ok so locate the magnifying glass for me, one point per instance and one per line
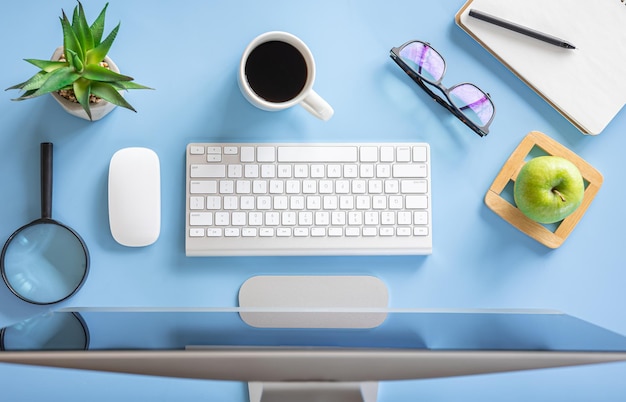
(44, 262)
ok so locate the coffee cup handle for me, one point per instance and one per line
(317, 106)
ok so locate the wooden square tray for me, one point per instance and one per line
(511, 214)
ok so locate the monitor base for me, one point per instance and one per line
(313, 391)
(315, 301)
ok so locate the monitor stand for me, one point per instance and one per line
(313, 391)
(313, 302)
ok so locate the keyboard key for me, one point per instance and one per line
(301, 171)
(196, 150)
(383, 171)
(387, 232)
(227, 187)
(247, 154)
(353, 232)
(266, 232)
(334, 171)
(350, 171)
(203, 187)
(231, 232)
(288, 218)
(239, 219)
(416, 202)
(248, 232)
(420, 217)
(369, 154)
(404, 218)
(284, 171)
(196, 203)
(222, 219)
(407, 171)
(317, 154)
(213, 202)
(413, 186)
(396, 202)
(235, 171)
(370, 232)
(208, 171)
(419, 154)
(355, 218)
(346, 202)
(266, 154)
(387, 154)
(403, 154)
(420, 231)
(301, 232)
(268, 171)
(342, 186)
(403, 231)
(283, 232)
(318, 232)
(318, 171)
(196, 232)
(255, 218)
(201, 219)
(335, 232)
(214, 232)
(244, 186)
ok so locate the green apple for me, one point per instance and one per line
(548, 189)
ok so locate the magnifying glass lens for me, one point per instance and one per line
(45, 262)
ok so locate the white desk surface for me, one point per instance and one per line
(189, 51)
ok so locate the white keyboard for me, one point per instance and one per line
(308, 199)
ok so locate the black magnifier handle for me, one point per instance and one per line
(46, 180)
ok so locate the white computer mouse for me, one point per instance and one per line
(135, 196)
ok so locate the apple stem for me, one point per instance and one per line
(557, 192)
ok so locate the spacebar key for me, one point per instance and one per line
(318, 154)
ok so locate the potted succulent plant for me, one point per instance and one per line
(80, 75)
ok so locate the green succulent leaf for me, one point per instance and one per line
(75, 19)
(97, 54)
(95, 72)
(121, 85)
(47, 65)
(97, 28)
(76, 62)
(108, 92)
(55, 80)
(33, 83)
(82, 90)
(81, 29)
(26, 95)
(70, 41)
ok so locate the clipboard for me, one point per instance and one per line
(586, 85)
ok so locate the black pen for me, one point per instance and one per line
(521, 29)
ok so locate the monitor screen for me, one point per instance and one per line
(221, 343)
(180, 329)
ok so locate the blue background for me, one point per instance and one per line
(189, 51)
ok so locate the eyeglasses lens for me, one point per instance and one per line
(473, 103)
(424, 60)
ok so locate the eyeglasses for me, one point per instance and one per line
(466, 101)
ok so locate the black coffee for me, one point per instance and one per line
(276, 71)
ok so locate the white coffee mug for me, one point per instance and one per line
(277, 71)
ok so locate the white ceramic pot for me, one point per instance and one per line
(98, 110)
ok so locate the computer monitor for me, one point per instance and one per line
(284, 363)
